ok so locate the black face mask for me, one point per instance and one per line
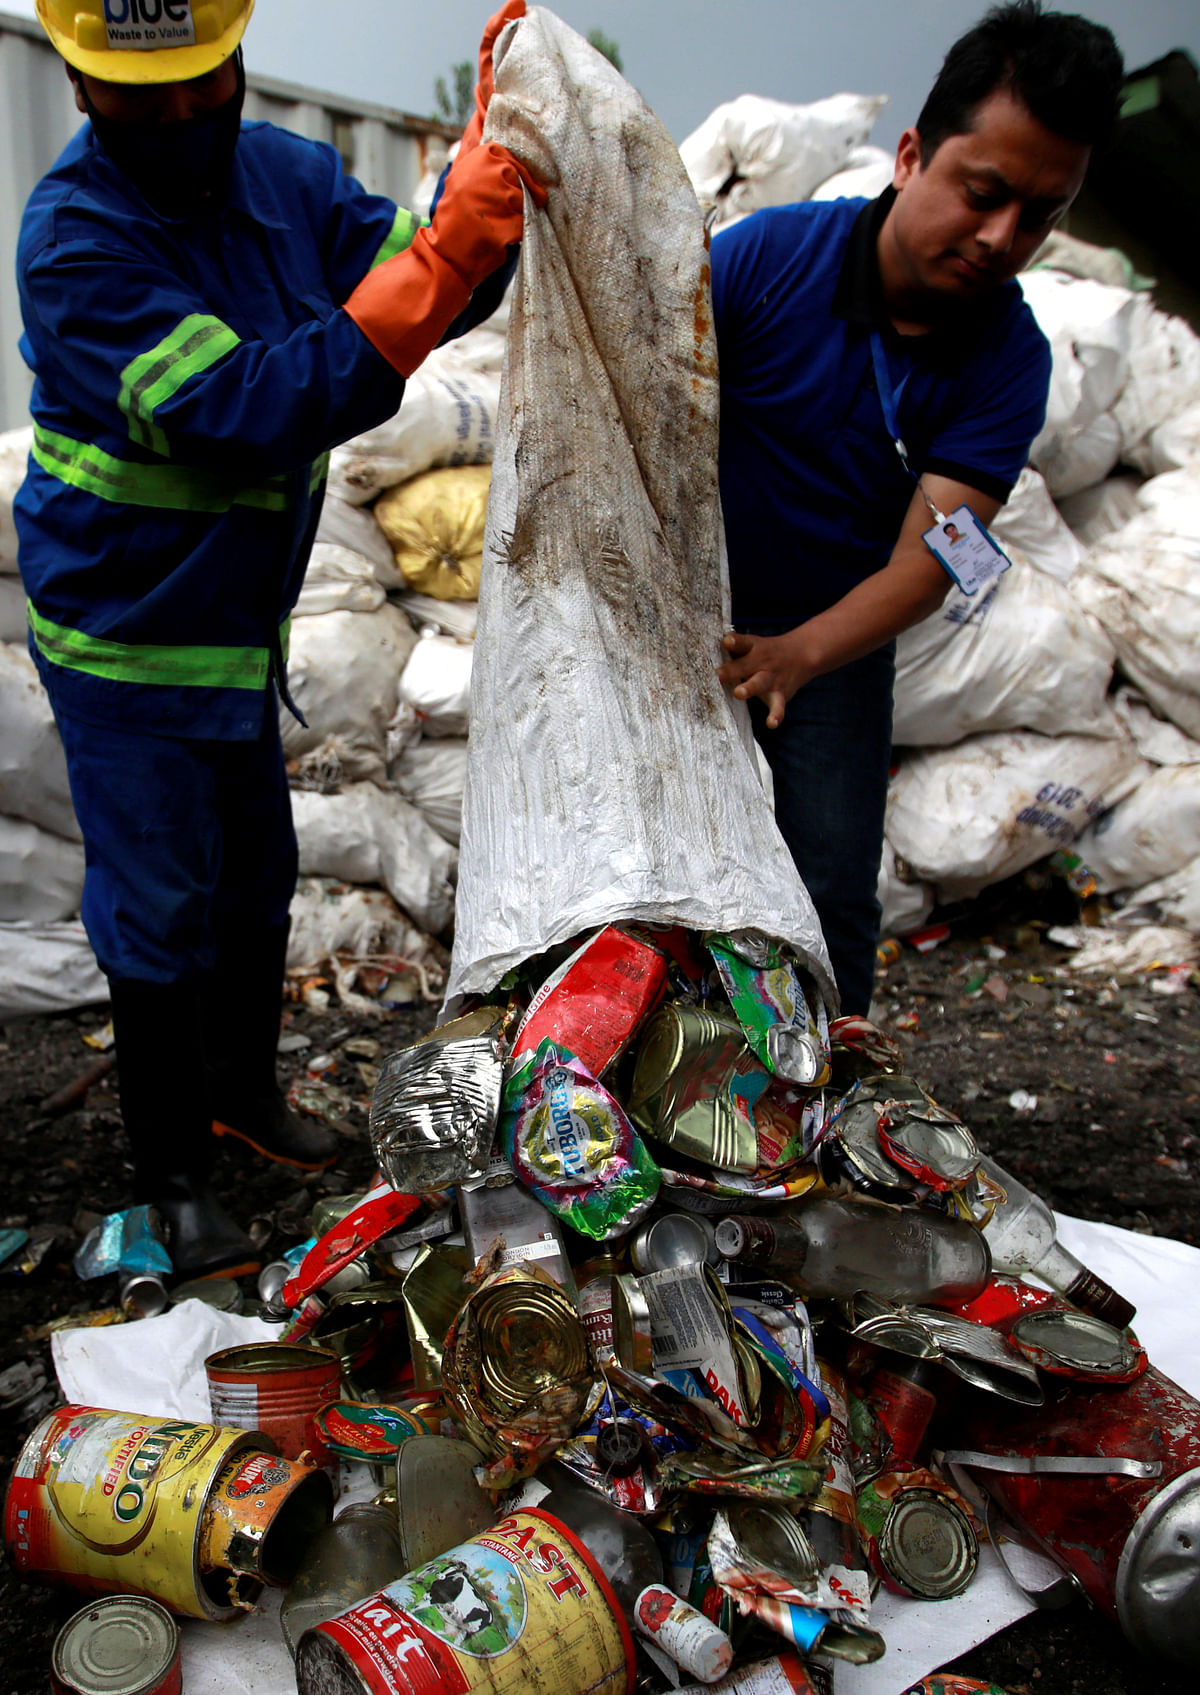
(180, 168)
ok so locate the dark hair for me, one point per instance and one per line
(1065, 69)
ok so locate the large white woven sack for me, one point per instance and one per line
(338, 580)
(447, 417)
(367, 835)
(1163, 379)
(609, 774)
(41, 875)
(33, 769)
(773, 152)
(343, 671)
(1143, 584)
(1152, 833)
(1094, 513)
(432, 775)
(47, 968)
(967, 816)
(1022, 656)
(1031, 521)
(14, 461)
(1089, 327)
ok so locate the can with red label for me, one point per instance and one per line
(121, 1645)
(276, 1387)
(520, 1606)
(1107, 1481)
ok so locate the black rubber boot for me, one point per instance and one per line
(244, 1007)
(164, 1103)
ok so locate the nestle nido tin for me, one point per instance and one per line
(113, 1502)
(120, 1645)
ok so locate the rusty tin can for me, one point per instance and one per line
(1106, 1481)
(110, 1502)
(262, 1513)
(121, 1645)
(276, 1387)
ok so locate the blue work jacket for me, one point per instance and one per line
(191, 376)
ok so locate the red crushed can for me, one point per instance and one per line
(1107, 1482)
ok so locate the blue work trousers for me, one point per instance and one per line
(188, 845)
(830, 759)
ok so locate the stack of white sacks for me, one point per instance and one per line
(1060, 709)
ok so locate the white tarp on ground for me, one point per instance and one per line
(610, 776)
(249, 1657)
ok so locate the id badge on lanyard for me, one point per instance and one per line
(962, 545)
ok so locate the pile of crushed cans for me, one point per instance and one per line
(678, 1322)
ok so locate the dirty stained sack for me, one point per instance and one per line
(610, 776)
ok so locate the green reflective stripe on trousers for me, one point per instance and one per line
(193, 345)
(128, 662)
(399, 236)
(178, 488)
(318, 473)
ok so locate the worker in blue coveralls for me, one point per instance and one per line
(209, 307)
(879, 371)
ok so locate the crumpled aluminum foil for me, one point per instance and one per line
(434, 1109)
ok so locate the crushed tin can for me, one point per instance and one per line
(919, 1534)
(781, 1014)
(368, 1431)
(1078, 1345)
(517, 1371)
(221, 1293)
(695, 1085)
(433, 1110)
(890, 1133)
(976, 1352)
(374, 1216)
(433, 1290)
(596, 1000)
(121, 1645)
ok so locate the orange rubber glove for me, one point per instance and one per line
(484, 88)
(405, 306)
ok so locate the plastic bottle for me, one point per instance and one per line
(1022, 1237)
(359, 1553)
(827, 1246)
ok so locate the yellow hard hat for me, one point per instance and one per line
(145, 41)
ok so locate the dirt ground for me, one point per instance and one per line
(1112, 1137)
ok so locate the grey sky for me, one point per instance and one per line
(686, 56)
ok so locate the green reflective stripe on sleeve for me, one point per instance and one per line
(192, 346)
(399, 236)
(127, 662)
(175, 488)
(318, 473)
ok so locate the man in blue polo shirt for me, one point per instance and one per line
(880, 369)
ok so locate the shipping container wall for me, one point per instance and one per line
(388, 151)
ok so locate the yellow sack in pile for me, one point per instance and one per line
(435, 525)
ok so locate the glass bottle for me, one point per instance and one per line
(629, 1557)
(825, 1246)
(1022, 1236)
(357, 1554)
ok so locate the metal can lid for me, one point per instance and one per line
(220, 1292)
(121, 1645)
(927, 1545)
(1076, 1344)
(771, 1535)
(672, 1240)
